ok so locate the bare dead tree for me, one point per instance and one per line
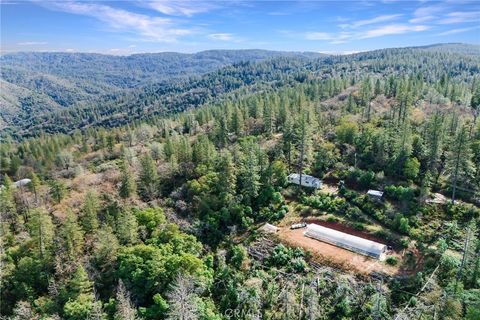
(181, 299)
(125, 309)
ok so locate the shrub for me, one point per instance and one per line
(392, 261)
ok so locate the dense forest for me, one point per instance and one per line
(151, 203)
(39, 83)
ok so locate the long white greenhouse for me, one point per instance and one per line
(346, 241)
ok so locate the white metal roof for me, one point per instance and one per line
(305, 177)
(22, 182)
(375, 193)
(346, 239)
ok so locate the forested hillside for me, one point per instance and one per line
(38, 83)
(138, 210)
(116, 107)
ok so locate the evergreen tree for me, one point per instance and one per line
(41, 230)
(127, 227)
(8, 209)
(90, 211)
(148, 178)
(72, 237)
(58, 190)
(249, 172)
(459, 161)
(128, 186)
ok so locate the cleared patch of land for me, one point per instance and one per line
(330, 254)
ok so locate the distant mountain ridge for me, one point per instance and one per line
(60, 92)
(459, 48)
(35, 83)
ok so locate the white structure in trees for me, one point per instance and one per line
(21, 183)
(307, 181)
(375, 194)
(346, 241)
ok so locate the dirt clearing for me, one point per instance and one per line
(330, 254)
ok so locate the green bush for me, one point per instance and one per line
(392, 261)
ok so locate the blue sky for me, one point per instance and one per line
(125, 27)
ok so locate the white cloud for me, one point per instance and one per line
(378, 19)
(342, 37)
(180, 7)
(32, 43)
(455, 31)
(335, 38)
(150, 28)
(221, 36)
(318, 36)
(460, 17)
(392, 29)
(424, 14)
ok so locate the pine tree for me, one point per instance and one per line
(227, 176)
(41, 230)
(128, 186)
(459, 161)
(127, 227)
(8, 209)
(35, 184)
(148, 178)
(58, 190)
(303, 142)
(72, 237)
(237, 122)
(249, 172)
(90, 211)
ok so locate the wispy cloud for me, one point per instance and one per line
(455, 31)
(392, 29)
(375, 20)
(32, 43)
(221, 36)
(461, 17)
(428, 13)
(180, 7)
(332, 37)
(150, 28)
(342, 37)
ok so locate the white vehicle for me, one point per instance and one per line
(298, 226)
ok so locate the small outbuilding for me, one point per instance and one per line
(22, 182)
(346, 241)
(375, 194)
(306, 180)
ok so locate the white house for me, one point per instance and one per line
(346, 241)
(307, 181)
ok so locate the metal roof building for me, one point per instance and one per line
(346, 241)
(307, 181)
(375, 194)
(21, 183)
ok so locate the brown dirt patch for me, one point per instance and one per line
(329, 254)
